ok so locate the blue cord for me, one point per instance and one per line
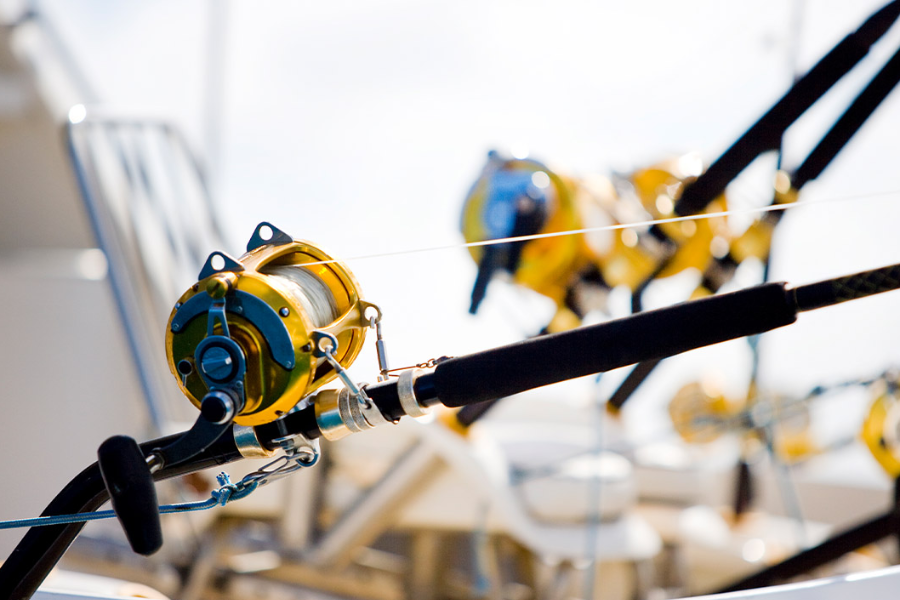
(228, 492)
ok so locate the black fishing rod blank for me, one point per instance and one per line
(650, 335)
(859, 536)
(766, 133)
(849, 123)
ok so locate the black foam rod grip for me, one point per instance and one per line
(130, 485)
(540, 361)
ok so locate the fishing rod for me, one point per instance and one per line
(759, 138)
(858, 536)
(254, 340)
(766, 135)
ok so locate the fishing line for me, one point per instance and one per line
(615, 227)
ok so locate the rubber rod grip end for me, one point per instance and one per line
(132, 492)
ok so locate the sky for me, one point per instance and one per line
(360, 126)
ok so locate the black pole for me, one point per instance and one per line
(850, 122)
(831, 549)
(655, 334)
(648, 335)
(815, 163)
(638, 375)
(766, 133)
(846, 288)
(642, 370)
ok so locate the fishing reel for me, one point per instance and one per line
(701, 414)
(515, 197)
(665, 249)
(254, 338)
(256, 335)
(881, 427)
(522, 197)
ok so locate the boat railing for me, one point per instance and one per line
(150, 207)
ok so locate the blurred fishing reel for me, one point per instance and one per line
(522, 197)
(258, 334)
(701, 414)
(665, 249)
(516, 197)
(881, 427)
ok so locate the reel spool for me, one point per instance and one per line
(267, 329)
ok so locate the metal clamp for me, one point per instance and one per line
(407, 394)
(338, 414)
(248, 443)
(300, 447)
(300, 452)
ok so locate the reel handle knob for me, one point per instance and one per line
(132, 492)
(219, 407)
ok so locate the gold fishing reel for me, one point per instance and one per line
(881, 427)
(266, 329)
(515, 197)
(670, 247)
(701, 413)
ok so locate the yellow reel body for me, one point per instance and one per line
(545, 265)
(701, 414)
(275, 300)
(695, 242)
(881, 428)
